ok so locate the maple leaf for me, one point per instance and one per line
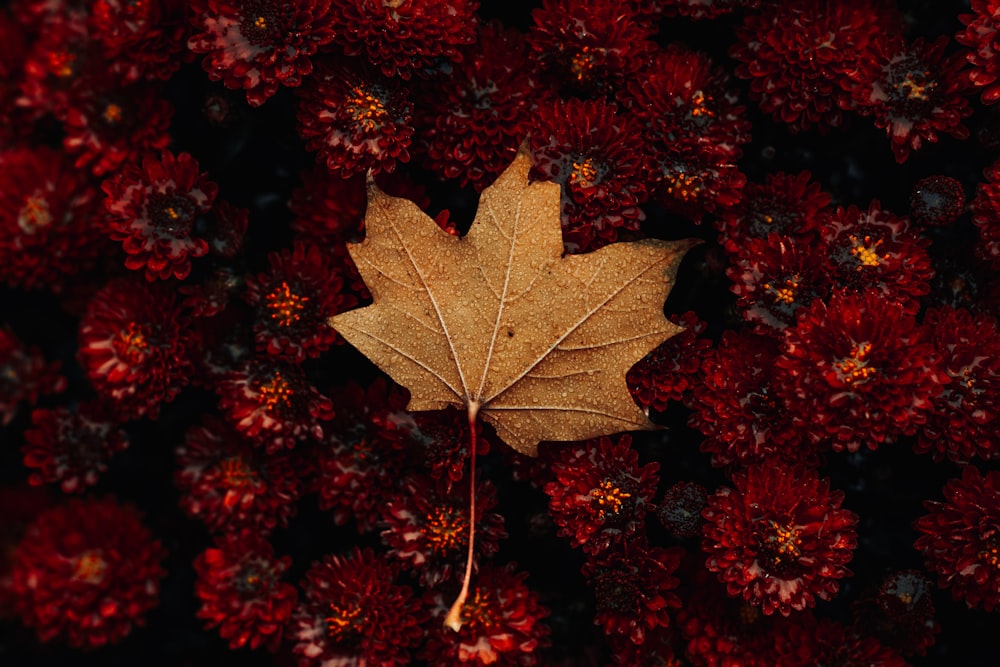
(501, 322)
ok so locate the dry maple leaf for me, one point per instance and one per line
(502, 322)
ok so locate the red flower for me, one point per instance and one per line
(799, 56)
(501, 623)
(901, 614)
(858, 371)
(406, 38)
(960, 538)
(980, 35)
(428, 530)
(914, 91)
(359, 467)
(140, 40)
(272, 403)
(475, 119)
(789, 205)
(231, 485)
(679, 510)
(61, 64)
(937, 201)
(986, 216)
(598, 160)
(600, 495)
(738, 408)
(48, 211)
(71, 448)
(24, 375)
(294, 300)
(356, 119)
(353, 613)
(328, 208)
(670, 371)
(114, 125)
(779, 538)
(135, 344)
(965, 418)
(87, 572)
(775, 278)
(152, 210)
(588, 47)
(240, 591)
(439, 441)
(634, 591)
(876, 252)
(721, 631)
(258, 45)
(827, 642)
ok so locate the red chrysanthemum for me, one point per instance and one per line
(915, 91)
(960, 538)
(501, 623)
(722, 631)
(798, 57)
(352, 613)
(591, 48)
(679, 509)
(601, 494)
(152, 209)
(790, 205)
(634, 590)
(19, 505)
(682, 97)
(474, 120)
(738, 408)
(980, 35)
(986, 216)
(87, 572)
(272, 403)
(775, 277)
(820, 642)
(71, 448)
(439, 441)
(328, 209)
(428, 530)
(359, 467)
(356, 119)
(25, 375)
(48, 210)
(876, 252)
(406, 38)
(965, 419)
(114, 125)
(231, 485)
(258, 45)
(139, 39)
(937, 201)
(670, 371)
(779, 538)
(900, 614)
(599, 160)
(859, 371)
(294, 299)
(240, 591)
(135, 344)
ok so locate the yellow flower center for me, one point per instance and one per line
(782, 543)
(698, 106)
(682, 185)
(89, 567)
(584, 173)
(866, 251)
(35, 214)
(276, 392)
(341, 622)
(286, 307)
(854, 367)
(112, 113)
(366, 109)
(132, 344)
(917, 85)
(609, 498)
(784, 292)
(61, 64)
(446, 528)
(237, 473)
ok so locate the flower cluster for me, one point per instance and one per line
(179, 186)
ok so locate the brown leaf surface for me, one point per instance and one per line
(501, 322)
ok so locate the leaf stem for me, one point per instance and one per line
(454, 618)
